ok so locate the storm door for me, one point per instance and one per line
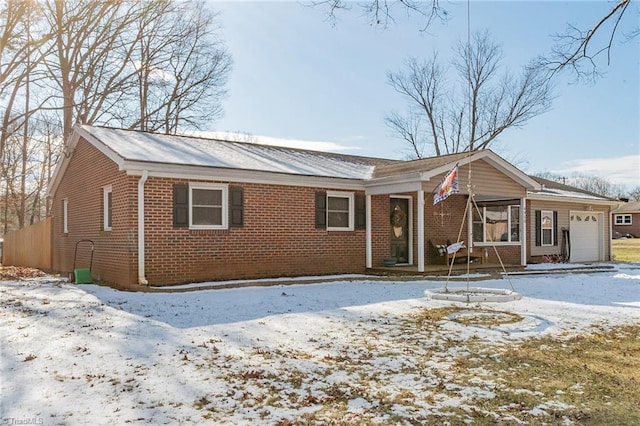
(399, 224)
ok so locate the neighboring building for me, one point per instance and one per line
(167, 209)
(626, 219)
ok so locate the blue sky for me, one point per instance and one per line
(297, 76)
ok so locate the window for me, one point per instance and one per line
(623, 219)
(335, 211)
(65, 216)
(208, 206)
(497, 224)
(107, 212)
(339, 211)
(546, 227)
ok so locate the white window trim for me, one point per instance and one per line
(622, 221)
(544, 213)
(484, 241)
(351, 197)
(225, 204)
(65, 216)
(105, 209)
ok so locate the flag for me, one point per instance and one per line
(448, 186)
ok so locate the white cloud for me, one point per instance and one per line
(326, 146)
(624, 170)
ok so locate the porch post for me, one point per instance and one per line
(420, 230)
(369, 254)
(523, 232)
(142, 280)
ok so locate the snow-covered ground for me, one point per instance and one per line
(350, 349)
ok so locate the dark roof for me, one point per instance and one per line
(552, 187)
(423, 164)
(632, 207)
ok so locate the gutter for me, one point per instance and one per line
(143, 179)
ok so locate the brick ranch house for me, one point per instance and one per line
(165, 210)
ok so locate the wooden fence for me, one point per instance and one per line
(30, 246)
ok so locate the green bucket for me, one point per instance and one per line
(82, 275)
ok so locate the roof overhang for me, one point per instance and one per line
(79, 132)
(412, 181)
(573, 200)
(205, 173)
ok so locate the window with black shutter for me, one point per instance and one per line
(546, 228)
(335, 211)
(207, 206)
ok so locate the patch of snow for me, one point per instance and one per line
(627, 277)
(261, 355)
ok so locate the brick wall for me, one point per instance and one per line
(381, 231)
(443, 221)
(633, 228)
(278, 238)
(87, 173)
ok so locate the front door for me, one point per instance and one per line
(400, 229)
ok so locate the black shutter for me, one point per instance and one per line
(555, 228)
(236, 206)
(180, 205)
(361, 212)
(538, 228)
(321, 210)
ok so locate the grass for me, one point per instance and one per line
(404, 367)
(589, 379)
(626, 250)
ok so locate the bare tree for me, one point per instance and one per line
(470, 112)
(382, 12)
(94, 62)
(19, 60)
(579, 50)
(182, 69)
(90, 65)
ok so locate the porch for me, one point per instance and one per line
(487, 215)
(442, 270)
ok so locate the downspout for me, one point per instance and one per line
(523, 232)
(420, 197)
(369, 248)
(143, 179)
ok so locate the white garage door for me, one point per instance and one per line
(585, 231)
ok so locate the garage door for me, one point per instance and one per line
(585, 230)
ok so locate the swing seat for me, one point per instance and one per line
(446, 250)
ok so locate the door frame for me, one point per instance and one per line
(409, 223)
(601, 225)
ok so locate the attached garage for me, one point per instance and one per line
(587, 233)
(557, 208)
